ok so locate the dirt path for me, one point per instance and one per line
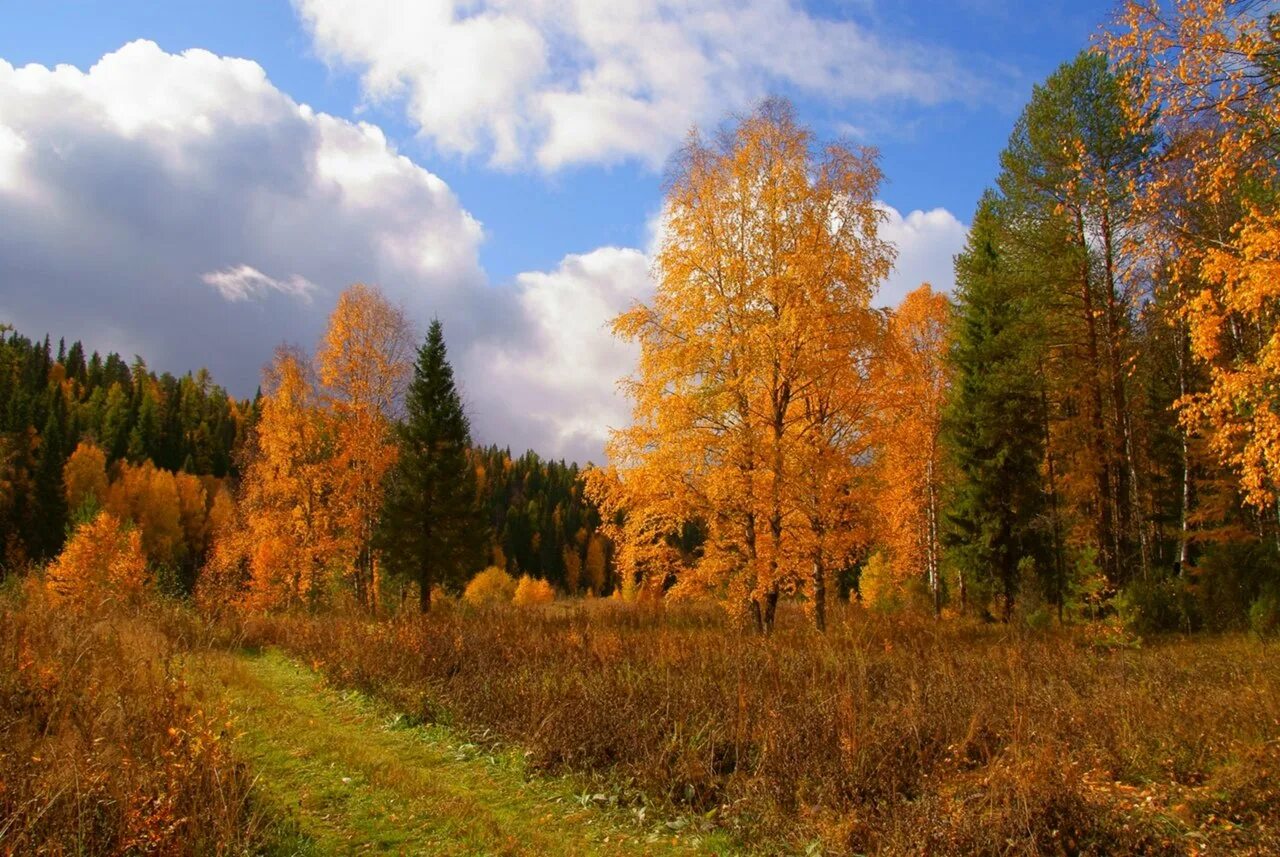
(346, 775)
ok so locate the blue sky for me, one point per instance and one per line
(547, 199)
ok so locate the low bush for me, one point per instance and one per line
(104, 749)
(491, 586)
(1158, 605)
(1230, 578)
(531, 591)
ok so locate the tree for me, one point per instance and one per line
(596, 570)
(745, 384)
(1205, 74)
(572, 568)
(913, 380)
(992, 423)
(288, 538)
(431, 528)
(85, 476)
(147, 497)
(363, 366)
(1067, 178)
(103, 562)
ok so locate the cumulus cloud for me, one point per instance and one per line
(181, 207)
(560, 380)
(927, 241)
(583, 81)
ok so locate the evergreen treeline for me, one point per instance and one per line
(52, 399)
(542, 523)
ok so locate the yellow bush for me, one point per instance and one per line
(491, 586)
(102, 561)
(877, 584)
(532, 590)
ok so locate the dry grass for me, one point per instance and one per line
(887, 734)
(104, 749)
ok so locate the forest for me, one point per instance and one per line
(992, 571)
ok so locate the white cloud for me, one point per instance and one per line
(560, 381)
(185, 203)
(927, 241)
(584, 81)
(244, 282)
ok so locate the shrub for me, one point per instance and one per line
(104, 747)
(1156, 606)
(1229, 578)
(533, 590)
(491, 586)
(890, 733)
(876, 584)
(1264, 615)
(103, 561)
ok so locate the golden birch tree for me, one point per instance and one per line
(364, 362)
(765, 272)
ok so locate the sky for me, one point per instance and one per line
(196, 182)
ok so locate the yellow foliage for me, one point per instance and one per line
(1203, 71)
(752, 395)
(364, 364)
(912, 379)
(877, 584)
(85, 476)
(531, 591)
(286, 534)
(491, 586)
(148, 497)
(102, 562)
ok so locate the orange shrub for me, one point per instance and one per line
(533, 590)
(491, 586)
(103, 561)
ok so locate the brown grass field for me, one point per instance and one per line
(888, 734)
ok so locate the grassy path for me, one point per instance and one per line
(345, 775)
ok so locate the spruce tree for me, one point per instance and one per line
(431, 529)
(993, 424)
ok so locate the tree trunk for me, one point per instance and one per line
(770, 608)
(819, 595)
(1103, 524)
(934, 567)
(1184, 524)
(1059, 563)
(1128, 508)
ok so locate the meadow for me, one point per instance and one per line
(890, 734)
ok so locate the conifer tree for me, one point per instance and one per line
(432, 530)
(993, 424)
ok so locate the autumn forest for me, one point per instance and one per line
(992, 571)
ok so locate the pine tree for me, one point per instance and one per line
(432, 529)
(993, 424)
